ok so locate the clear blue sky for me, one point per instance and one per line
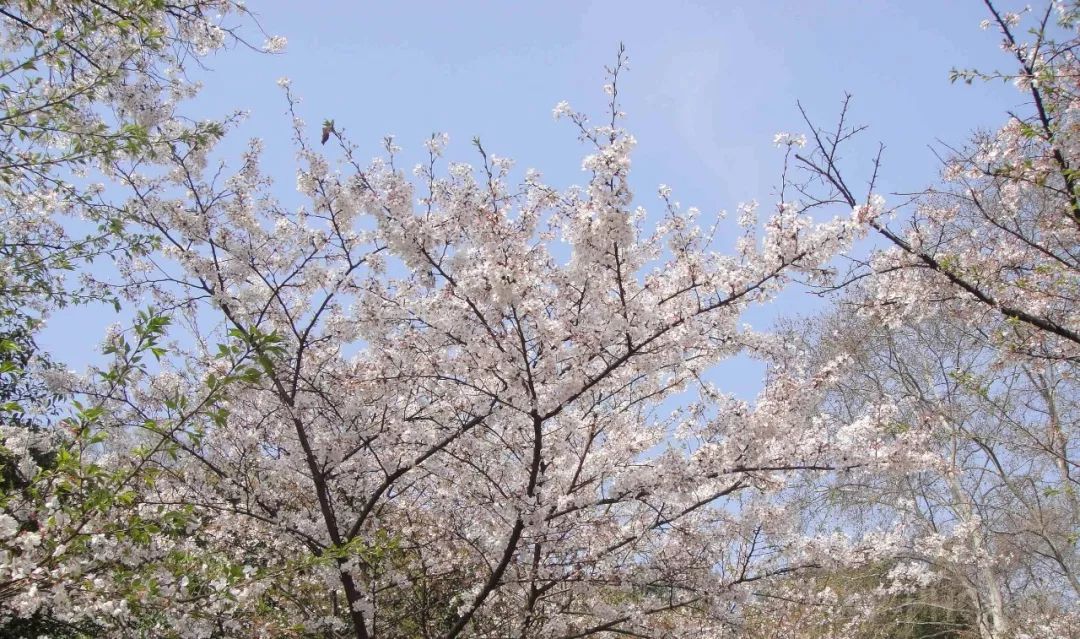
(709, 85)
(710, 82)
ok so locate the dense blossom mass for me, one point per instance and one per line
(454, 401)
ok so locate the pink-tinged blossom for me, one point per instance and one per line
(445, 389)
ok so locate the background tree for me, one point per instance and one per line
(996, 243)
(84, 85)
(992, 513)
(966, 327)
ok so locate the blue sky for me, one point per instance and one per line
(709, 84)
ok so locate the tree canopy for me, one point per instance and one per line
(403, 408)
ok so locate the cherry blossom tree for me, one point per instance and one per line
(991, 515)
(85, 85)
(997, 242)
(966, 326)
(399, 410)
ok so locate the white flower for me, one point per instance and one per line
(561, 110)
(59, 381)
(275, 44)
(437, 143)
(787, 139)
(870, 211)
(8, 526)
